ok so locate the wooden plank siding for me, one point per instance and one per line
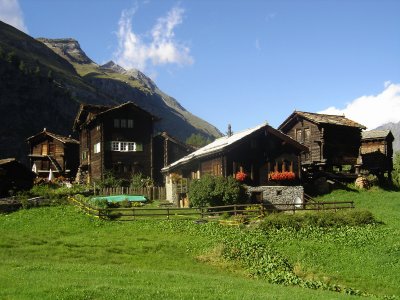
(48, 152)
(255, 154)
(109, 125)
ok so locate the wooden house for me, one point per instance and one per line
(332, 140)
(377, 152)
(256, 152)
(50, 151)
(167, 150)
(114, 139)
(14, 177)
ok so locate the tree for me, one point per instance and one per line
(396, 169)
(198, 140)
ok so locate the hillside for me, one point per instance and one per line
(132, 85)
(40, 88)
(395, 129)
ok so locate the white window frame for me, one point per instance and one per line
(124, 146)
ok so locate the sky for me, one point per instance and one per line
(241, 62)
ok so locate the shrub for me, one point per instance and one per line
(212, 190)
(109, 181)
(100, 203)
(125, 203)
(138, 181)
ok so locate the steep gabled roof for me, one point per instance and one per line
(321, 119)
(377, 135)
(62, 139)
(221, 144)
(88, 112)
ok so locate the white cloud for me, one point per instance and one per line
(11, 13)
(159, 47)
(373, 110)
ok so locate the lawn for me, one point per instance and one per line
(58, 252)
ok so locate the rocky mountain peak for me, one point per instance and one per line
(68, 48)
(136, 74)
(112, 66)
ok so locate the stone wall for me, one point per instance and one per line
(278, 195)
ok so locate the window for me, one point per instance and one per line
(116, 123)
(114, 146)
(123, 123)
(96, 148)
(130, 123)
(84, 155)
(126, 146)
(131, 146)
(307, 134)
(298, 135)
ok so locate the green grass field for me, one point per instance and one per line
(60, 253)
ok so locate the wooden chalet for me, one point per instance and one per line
(117, 139)
(50, 151)
(14, 177)
(167, 150)
(332, 140)
(256, 152)
(377, 152)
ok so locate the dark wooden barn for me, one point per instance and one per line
(50, 151)
(167, 150)
(377, 152)
(14, 177)
(114, 139)
(255, 152)
(333, 141)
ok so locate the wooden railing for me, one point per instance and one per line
(133, 213)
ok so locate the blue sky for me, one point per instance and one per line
(241, 62)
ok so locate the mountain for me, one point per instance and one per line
(132, 85)
(395, 129)
(43, 82)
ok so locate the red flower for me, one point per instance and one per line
(282, 176)
(240, 176)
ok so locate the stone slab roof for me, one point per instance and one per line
(322, 119)
(375, 134)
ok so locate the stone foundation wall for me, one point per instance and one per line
(278, 195)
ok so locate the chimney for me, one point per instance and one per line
(229, 132)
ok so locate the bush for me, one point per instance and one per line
(109, 181)
(213, 190)
(138, 181)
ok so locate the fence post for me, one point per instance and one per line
(234, 209)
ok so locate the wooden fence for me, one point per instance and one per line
(133, 213)
(152, 193)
